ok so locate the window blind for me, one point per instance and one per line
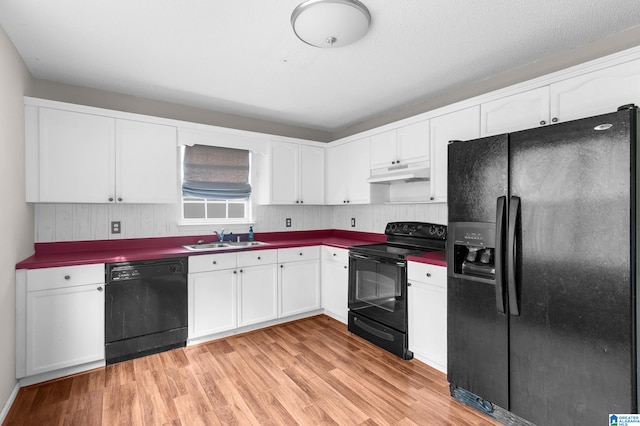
(215, 173)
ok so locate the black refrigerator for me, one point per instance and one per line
(541, 274)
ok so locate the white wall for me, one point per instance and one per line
(73, 222)
(16, 216)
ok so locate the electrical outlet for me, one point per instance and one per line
(115, 227)
(353, 222)
(288, 222)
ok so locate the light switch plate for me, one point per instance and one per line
(288, 222)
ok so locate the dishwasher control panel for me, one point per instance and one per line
(146, 269)
(127, 274)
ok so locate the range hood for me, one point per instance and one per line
(401, 174)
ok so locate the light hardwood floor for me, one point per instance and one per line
(307, 372)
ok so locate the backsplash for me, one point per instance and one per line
(81, 222)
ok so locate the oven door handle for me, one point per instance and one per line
(376, 259)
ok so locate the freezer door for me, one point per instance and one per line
(572, 357)
(477, 338)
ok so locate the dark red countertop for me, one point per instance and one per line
(438, 258)
(107, 251)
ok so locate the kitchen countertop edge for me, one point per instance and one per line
(72, 253)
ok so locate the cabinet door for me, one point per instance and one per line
(413, 143)
(596, 93)
(212, 302)
(427, 305)
(517, 112)
(337, 163)
(65, 327)
(335, 281)
(257, 294)
(459, 125)
(77, 161)
(284, 173)
(146, 169)
(299, 287)
(383, 149)
(311, 174)
(359, 191)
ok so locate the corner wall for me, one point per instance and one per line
(15, 215)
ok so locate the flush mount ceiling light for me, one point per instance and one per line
(330, 23)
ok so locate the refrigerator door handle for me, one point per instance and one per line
(499, 253)
(512, 251)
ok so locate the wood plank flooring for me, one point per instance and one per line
(307, 372)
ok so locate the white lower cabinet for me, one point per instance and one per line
(257, 294)
(231, 290)
(212, 302)
(427, 306)
(299, 280)
(60, 318)
(335, 282)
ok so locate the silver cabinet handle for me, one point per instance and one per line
(99, 289)
(259, 258)
(67, 277)
(428, 274)
(215, 262)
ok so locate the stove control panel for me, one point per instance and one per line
(417, 229)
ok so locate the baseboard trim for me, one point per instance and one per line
(9, 403)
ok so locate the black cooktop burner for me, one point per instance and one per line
(405, 239)
(387, 250)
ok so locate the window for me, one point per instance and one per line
(216, 185)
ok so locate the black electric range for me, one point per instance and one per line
(378, 283)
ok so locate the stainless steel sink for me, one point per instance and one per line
(222, 246)
(247, 243)
(208, 246)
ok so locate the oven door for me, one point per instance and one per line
(378, 289)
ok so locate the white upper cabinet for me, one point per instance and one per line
(459, 125)
(297, 174)
(585, 95)
(145, 162)
(407, 144)
(347, 173)
(311, 175)
(597, 92)
(77, 157)
(521, 111)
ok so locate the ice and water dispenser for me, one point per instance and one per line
(471, 250)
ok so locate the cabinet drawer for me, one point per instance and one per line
(212, 262)
(333, 254)
(64, 276)
(298, 253)
(426, 273)
(257, 257)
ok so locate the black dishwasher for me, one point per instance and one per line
(145, 308)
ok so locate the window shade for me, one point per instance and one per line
(216, 173)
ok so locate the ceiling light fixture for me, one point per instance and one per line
(330, 23)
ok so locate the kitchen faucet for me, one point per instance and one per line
(220, 235)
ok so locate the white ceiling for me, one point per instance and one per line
(242, 57)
